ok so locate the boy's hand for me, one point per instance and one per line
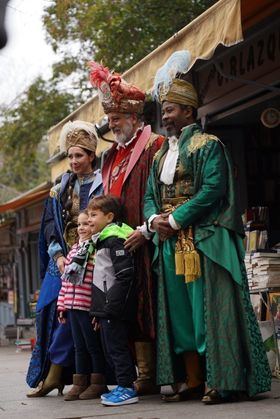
(61, 317)
(95, 323)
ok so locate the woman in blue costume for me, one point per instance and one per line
(52, 359)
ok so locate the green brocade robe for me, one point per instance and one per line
(235, 355)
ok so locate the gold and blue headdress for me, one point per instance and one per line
(169, 87)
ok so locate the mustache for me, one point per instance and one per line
(167, 122)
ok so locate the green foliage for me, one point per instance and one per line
(117, 32)
(23, 134)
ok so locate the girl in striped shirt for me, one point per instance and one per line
(73, 305)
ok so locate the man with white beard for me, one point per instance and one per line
(125, 173)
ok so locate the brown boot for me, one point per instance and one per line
(80, 383)
(145, 355)
(96, 388)
(52, 381)
(194, 370)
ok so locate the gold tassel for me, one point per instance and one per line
(179, 256)
(187, 260)
(192, 266)
(179, 263)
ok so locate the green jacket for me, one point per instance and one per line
(212, 210)
(235, 355)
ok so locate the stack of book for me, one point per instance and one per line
(255, 239)
(23, 344)
(249, 268)
(264, 270)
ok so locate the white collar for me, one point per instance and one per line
(187, 126)
(124, 145)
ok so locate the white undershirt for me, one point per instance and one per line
(167, 174)
(169, 165)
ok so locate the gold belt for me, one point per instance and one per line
(170, 204)
(187, 260)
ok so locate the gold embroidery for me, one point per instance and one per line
(152, 139)
(54, 191)
(156, 155)
(198, 140)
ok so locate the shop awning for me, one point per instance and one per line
(27, 198)
(221, 24)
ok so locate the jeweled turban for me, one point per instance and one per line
(115, 93)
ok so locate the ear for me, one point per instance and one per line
(92, 156)
(188, 112)
(110, 217)
(134, 118)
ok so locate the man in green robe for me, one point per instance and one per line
(204, 309)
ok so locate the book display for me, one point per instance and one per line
(263, 269)
(262, 235)
(256, 223)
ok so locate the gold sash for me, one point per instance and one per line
(187, 260)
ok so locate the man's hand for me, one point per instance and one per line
(135, 240)
(61, 318)
(95, 323)
(61, 264)
(161, 225)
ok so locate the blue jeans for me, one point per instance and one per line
(89, 357)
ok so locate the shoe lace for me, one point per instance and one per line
(121, 391)
(117, 391)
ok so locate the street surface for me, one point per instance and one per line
(15, 405)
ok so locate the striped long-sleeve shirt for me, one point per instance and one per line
(76, 297)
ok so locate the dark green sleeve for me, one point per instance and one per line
(150, 206)
(213, 187)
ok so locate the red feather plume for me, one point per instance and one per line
(98, 74)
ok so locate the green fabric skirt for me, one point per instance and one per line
(219, 307)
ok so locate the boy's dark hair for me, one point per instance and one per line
(106, 204)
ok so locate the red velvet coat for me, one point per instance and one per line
(132, 194)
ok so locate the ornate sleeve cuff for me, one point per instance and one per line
(173, 223)
(144, 230)
(152, 217)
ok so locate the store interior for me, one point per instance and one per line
(254, 143)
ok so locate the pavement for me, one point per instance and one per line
(15, 405)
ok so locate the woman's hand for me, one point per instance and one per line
(60, 262)
(61, 317)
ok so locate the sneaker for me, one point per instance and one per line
(120, 396)
(105, 395)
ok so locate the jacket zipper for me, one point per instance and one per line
(105, 291)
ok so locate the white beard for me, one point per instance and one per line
(125, 135)
(121, 139)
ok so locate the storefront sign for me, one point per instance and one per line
(250, 60)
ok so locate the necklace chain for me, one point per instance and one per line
(83, 178)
